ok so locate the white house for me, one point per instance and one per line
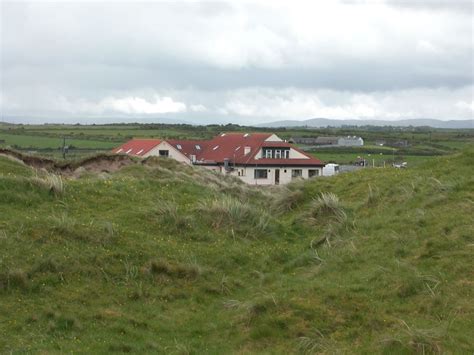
(350, 141)
(330, 169)
(256, 158)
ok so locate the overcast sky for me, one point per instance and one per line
(241, 62)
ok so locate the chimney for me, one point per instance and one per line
(246, 150)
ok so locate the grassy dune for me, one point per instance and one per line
(167, 258)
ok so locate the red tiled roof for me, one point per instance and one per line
(137, 147)
(231, 146)
(189, 147)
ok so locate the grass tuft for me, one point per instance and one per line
(176, 270)
(51, 182)
(326, 206)
(14, 279)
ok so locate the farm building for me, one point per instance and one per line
(256, 158)
(349, 141)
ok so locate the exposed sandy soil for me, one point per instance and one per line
(97, 164)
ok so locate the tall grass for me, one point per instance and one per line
(286, 200)
(51, 182)
(327, 207)
(235, 217)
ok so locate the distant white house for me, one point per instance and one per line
(350, 141)
(330, 169)
(255, 158)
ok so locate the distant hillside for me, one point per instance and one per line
(324, 122)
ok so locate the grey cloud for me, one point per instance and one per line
(89, 51)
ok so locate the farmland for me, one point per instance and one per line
(424, 143)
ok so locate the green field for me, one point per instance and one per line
(164, 258)
(424, 143)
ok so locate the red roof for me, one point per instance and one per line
(233, 146)
(137, 147)
(189, 147)
(238, 148)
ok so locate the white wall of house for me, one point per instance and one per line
(350, 141)
(273, 138)
(247, 174)
(294, 154)
(172, 152)
(330, 169)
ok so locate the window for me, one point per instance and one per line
(278, 154)
(268, 154)
(296, 173)
(198, 147)
(163, 153)
(120, 150)
(141, 150)
(313, 172)
(286, 154)
(215, 147)
(260, 173)
(128, 151)
(242, 172)
(179, 146)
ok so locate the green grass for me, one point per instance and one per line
(170, 259)
(32, 141)
(372, 159)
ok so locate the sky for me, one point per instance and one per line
(244, 62)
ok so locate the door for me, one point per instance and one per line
(277, 176)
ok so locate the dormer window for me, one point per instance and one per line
(276, 153)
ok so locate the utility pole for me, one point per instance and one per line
(64, 147)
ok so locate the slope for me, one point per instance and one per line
(167, 258)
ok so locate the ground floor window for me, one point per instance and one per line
(164, 153)
(295, 173)
(313, 172)
(260, 173)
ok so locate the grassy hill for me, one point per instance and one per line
(159, 257)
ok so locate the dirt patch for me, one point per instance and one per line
(103, 163)
(34, 162)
